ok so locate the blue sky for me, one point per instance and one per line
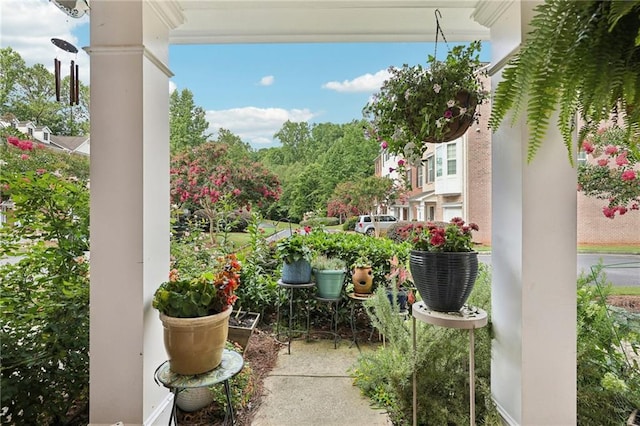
(249, 89)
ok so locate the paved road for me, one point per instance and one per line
(621, 269)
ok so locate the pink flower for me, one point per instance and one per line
(603, 162)
(401, 162)
(608, 212)
(628, 175)
(448, 114)
(621, 159)
(24, 157)
(384, 145)
(622, 210)
(587, 147)
(610, 150)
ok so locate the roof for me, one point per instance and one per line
(70, 143)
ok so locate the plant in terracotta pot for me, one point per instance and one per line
(443, 264)
(362, 276)
(436, 103)
(195, 315)
(296, 257)
(329, 273)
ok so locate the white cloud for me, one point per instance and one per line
(255, 125)
(27, 26)
(172, 87)
(267, 80)
(364, 83)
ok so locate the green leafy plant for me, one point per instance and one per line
(441, 361)
(453, 237)
(611, 172)
(324, 263)
(608, 338)
(294, 248)
(423, 104)
(44, 299)
(361, 262)
(209, 293)
(581, 58)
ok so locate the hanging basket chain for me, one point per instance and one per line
(439, 31)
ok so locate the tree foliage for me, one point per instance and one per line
(206, 178)
(313, 161)
(187, 122)
(28, 93)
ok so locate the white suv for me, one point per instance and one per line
(364, 225)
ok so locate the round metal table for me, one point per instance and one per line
(468, 318)
(232, 363)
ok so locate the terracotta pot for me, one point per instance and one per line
(195, 345)
(362, 279)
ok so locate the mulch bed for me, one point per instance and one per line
(630, 303)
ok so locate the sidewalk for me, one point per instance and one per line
(312, 387)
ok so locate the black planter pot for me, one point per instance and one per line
(444, 280)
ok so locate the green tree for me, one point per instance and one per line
(187, 122)
(28, 93)
(293, 137)
(236, 147)
(12, 66)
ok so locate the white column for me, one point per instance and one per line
(533, 370)
(129, 208)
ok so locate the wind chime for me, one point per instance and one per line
(74, 70)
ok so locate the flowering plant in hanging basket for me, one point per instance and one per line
(436, 103)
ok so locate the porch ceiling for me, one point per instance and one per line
(308, 21)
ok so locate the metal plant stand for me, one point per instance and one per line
(291, 288)
(468, 318)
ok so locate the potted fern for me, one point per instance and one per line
(432, 104)
(581, 58)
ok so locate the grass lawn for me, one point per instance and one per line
(625, 290)
(608, 248)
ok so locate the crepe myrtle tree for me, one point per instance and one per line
(206, 179)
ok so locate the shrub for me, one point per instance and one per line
(608, 381)
(320, 221)
(386, 375)
(350, 223)
(45, 300)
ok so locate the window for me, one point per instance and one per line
(409, 177)
(451, 158)
(420, 176)
(446, 160)
(45, 136)
(431, 172)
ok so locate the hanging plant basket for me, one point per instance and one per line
(431, 104)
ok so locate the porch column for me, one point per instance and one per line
(129, 207)
(533, 370)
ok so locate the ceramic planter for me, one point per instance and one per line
(444, 280)
(362, 278)
(194, 345)
(298, 272)
(329, 283)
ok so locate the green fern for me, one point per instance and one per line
(582, 59)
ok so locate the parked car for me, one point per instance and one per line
(365, 225)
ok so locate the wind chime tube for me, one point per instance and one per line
(72, 84)
(77, 91)
(56, 67)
